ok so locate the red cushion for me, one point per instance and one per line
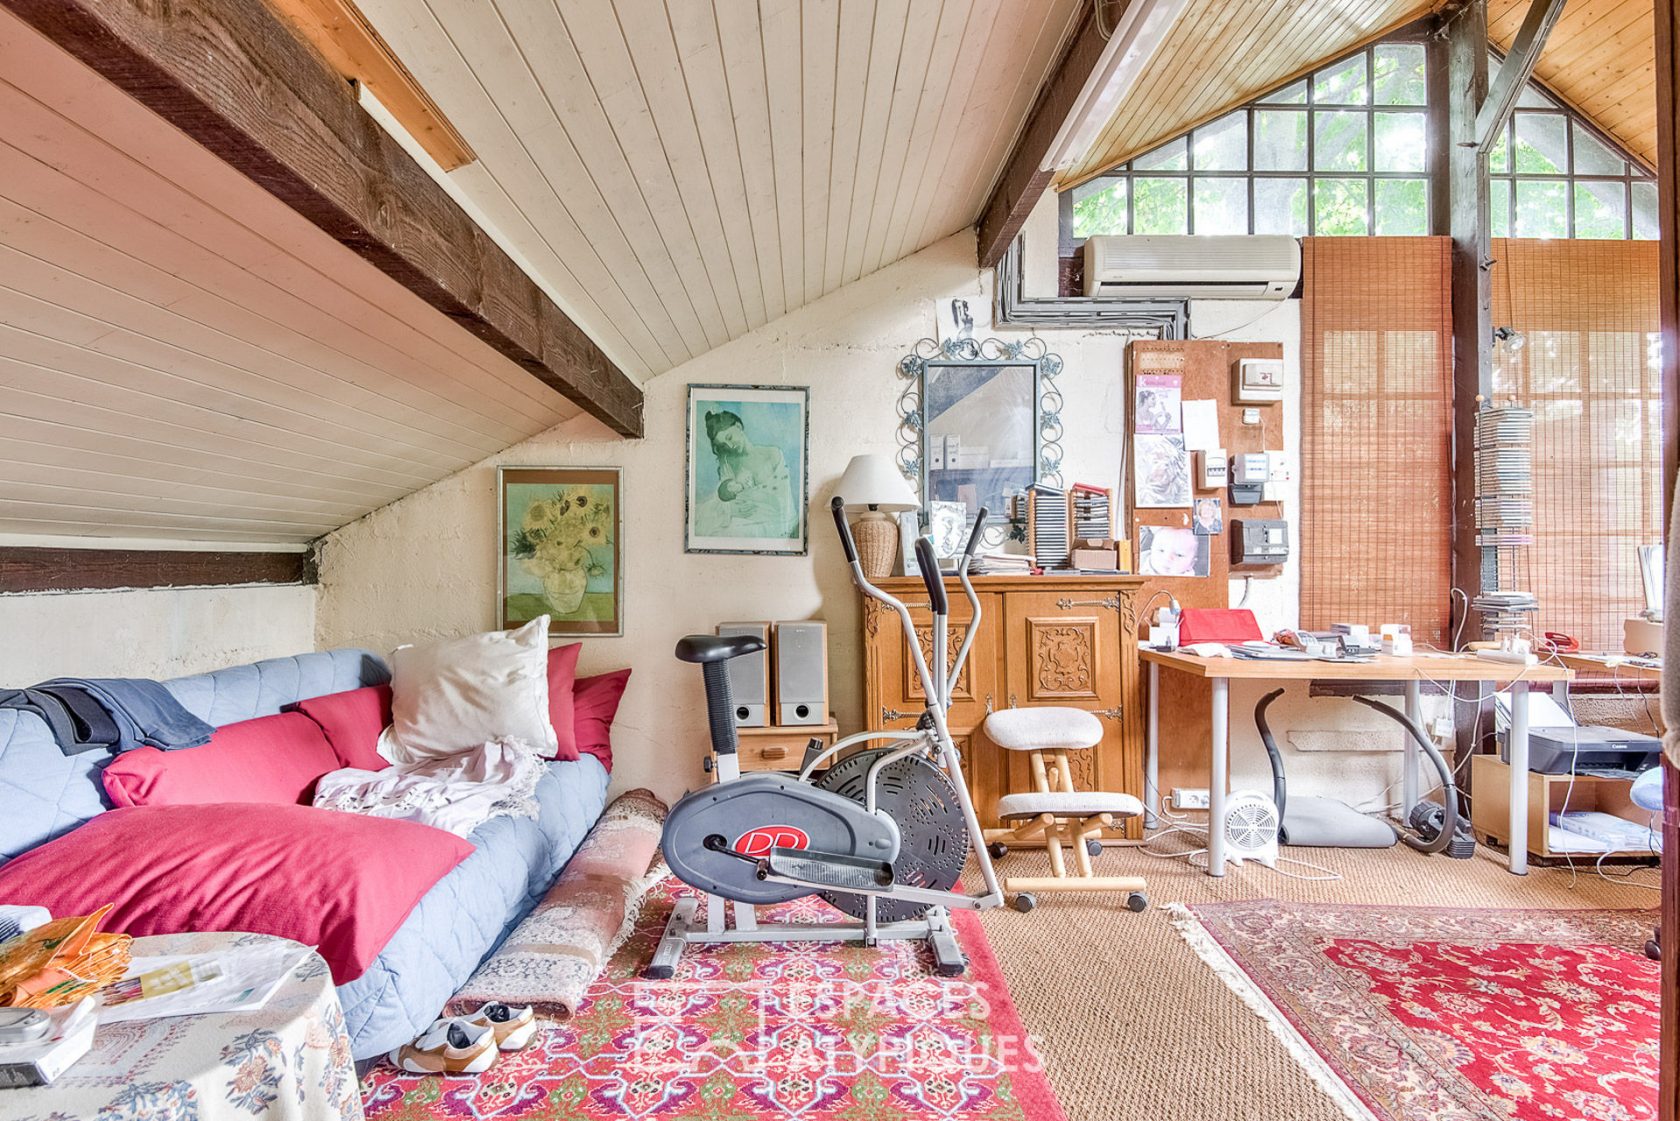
(352, 722)
(339, 881)
(594, 704)
(562, 669)
(269, 759)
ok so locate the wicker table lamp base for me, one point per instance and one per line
(877, 544)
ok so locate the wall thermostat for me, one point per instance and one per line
(1259, 542)
(1259, 380)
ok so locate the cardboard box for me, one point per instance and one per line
(1096, 560)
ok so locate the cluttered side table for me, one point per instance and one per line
(288, 1060)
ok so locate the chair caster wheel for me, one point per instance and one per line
(997, 850)
(1137, 901)
(1093, 848)
(1024, 902)
(1653, 951)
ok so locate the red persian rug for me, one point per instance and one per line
(1423, 1013)
(819, 1031)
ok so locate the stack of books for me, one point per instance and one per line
(1047, 525)
(1091, 511)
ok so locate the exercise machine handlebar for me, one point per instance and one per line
(846, 542)
(931, 579)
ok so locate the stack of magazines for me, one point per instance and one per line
(1003, 564)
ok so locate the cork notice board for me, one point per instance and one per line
(1207, 368)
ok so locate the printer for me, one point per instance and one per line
(1587, 750)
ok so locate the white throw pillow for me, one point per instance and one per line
(447, 697)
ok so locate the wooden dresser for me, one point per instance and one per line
(1043, 640)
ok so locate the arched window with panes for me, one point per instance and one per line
(1344, 152)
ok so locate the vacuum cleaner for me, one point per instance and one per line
(1314, 822)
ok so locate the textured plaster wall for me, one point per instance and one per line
(425, 566)
(150, 633)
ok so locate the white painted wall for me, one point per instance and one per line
(425, 566)
(164, 632)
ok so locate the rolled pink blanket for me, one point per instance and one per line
(552, 958)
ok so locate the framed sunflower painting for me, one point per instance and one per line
(561, 535)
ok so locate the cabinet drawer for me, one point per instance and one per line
(780, 749)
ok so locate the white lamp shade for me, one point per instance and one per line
(875, 480)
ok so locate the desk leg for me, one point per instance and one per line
(1409, 760)
(1217, 775)
(1519, 778)
(1151, 752)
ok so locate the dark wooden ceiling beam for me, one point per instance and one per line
(32, 569)
(1514, 72)
(236, 78)
(1024, 179)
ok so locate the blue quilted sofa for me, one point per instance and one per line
(455, 926)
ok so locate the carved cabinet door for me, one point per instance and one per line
(901, 698)
(1063, 649)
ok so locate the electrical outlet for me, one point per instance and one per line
(1190, 798)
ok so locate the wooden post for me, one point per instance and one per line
(1472, 308)
(1667, 29)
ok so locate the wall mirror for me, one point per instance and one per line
(979, 420)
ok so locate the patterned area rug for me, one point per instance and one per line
(823, 1031)
(1422, 1014)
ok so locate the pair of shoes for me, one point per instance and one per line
(468, 1044)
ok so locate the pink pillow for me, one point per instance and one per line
(594, 704)
(339, 881)
(562, 668)
(269, 759)
(352, 721)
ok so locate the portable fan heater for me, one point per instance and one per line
(1251, 828)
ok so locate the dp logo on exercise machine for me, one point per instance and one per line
(759, 841)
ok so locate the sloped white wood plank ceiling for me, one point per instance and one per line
(681, 172)
(183, 357)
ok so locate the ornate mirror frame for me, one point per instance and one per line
(1047, 401)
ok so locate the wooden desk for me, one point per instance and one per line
(1611, 665)
(1412, 672)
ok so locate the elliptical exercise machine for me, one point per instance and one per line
(882, 834)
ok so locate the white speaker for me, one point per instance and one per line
(749, 677)
(801, 673)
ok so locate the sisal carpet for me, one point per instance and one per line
(1131, 1023)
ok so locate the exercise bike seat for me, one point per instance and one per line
(703, 648)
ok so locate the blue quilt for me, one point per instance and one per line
(466, 915)
(469, 912)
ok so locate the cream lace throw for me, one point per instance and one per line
(457, 793)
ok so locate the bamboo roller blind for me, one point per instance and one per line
(1589, 366)
(1376, 494)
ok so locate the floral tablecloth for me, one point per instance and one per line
(288, 1061)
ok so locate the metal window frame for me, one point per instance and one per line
(1635, 170)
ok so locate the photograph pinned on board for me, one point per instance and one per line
(561, 534)
(1162, 470)
(1208, 517)
(1169, 550)
(1159, 403)
(747, 488)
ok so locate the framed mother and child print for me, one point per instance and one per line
(747, 484)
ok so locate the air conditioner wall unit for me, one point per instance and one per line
(1147, 267)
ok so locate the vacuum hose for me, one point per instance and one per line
(1279, 787)
(1449, 789)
